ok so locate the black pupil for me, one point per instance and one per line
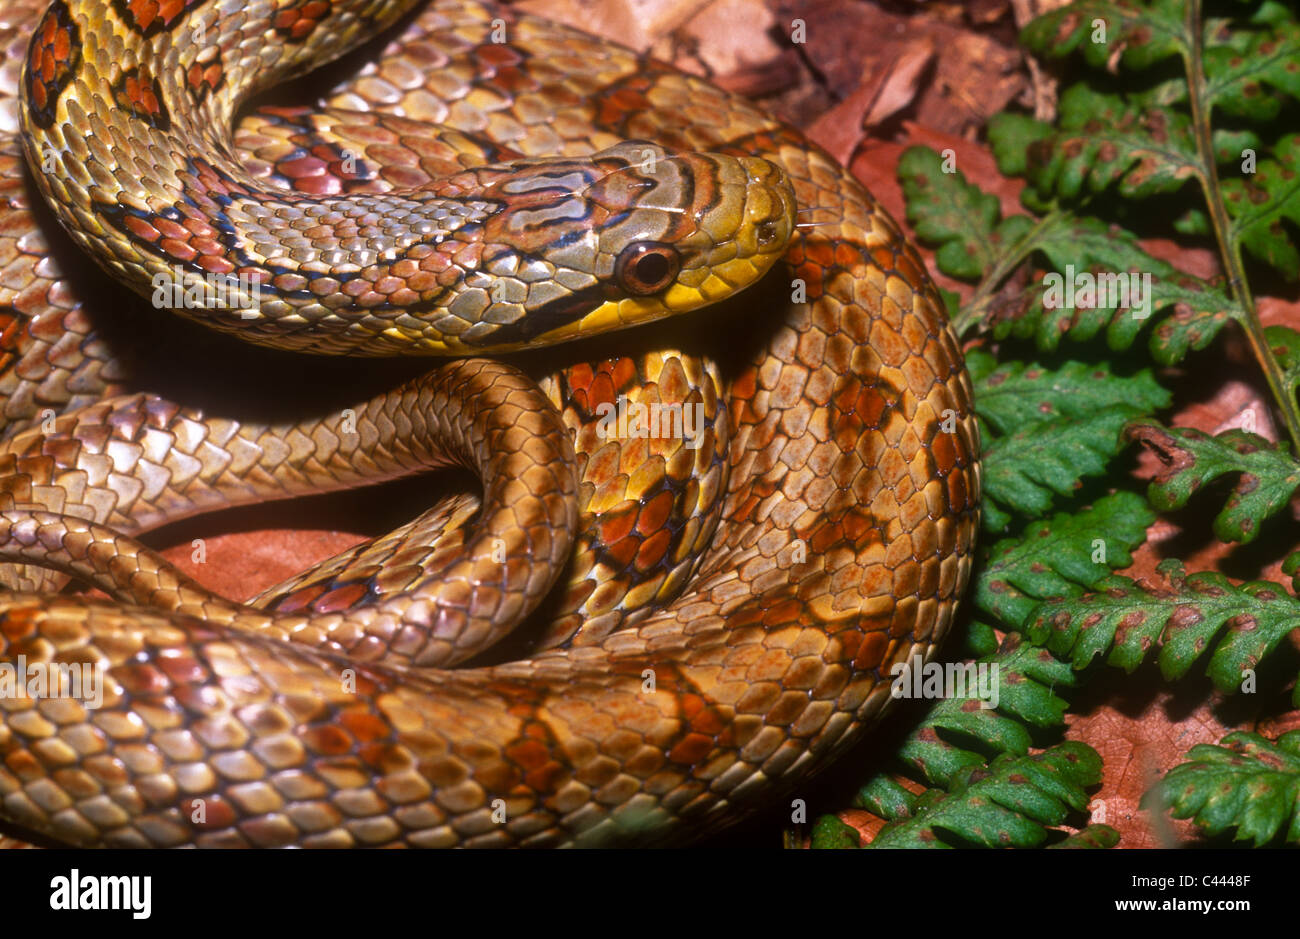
(651, 268)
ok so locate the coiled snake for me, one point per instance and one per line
(712, 603)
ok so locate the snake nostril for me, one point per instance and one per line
(766, 233)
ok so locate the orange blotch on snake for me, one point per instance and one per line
(861, 401)
(652, 552)
(621, 103)
(169, 229)
(324, 185)
(783, 613)
(302, 166)
(944, 450)
(745, 385)
(847, 256)
(700, 716)
(958, 497)
(497, 54)
(422, 281)
(622, 552)
(326, 740)
(55, 57)
(178, 249)
(137, 91)
(907, 269)
(654, 514)
(580, 375)
(871, 650)
(692, 748)
(443, 772)
(141, 229)
(151, 16)
(295, 23)
(364, 727)
(617, 523)
(527, 753)
(206, 246)
(820, 255)
(215, 264)
(513, 81)
(10, 330)
(217, 813)
(199, 228)
(341, 598)
(385, 759)
(300, 599)
(605, 465)
(541, 773)
(825, 537)
(467, 257)
(18, 622)
(497, 776)
(622, 372)
(601, 391)
(857, 524)
(182, 669)
(203, 81)
(404, 268)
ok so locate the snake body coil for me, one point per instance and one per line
(716, 607)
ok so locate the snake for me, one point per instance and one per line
(621, 636)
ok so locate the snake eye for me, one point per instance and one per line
(646, 267)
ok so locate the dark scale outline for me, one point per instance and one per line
(204, 88)
(162, 119)
(157, 24)
(65, 69)
(286, 30)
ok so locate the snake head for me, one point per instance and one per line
(628, 235)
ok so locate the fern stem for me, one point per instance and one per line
(1230, 250)
(972, 312)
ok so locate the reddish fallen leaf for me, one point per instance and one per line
(842, 129)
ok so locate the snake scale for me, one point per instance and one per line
(714, 611)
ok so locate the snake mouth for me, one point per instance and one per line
(769, 207)
(759, 227)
